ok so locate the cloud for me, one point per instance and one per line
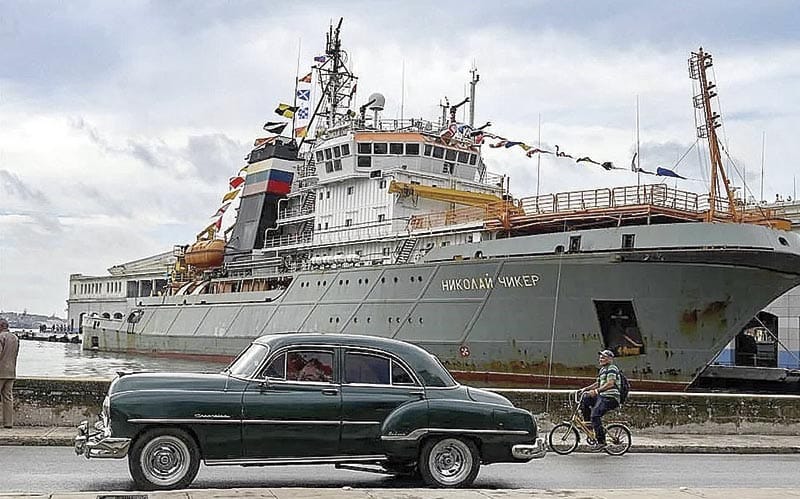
(122, 122)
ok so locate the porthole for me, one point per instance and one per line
(318, 283)
(340, 282)
(783, 241)
(324, 283)
(409, 320)
(347, 282)
(412, 278)
(419, 278)
(330, 319)
(420, 320)
(355, 320)
(397, 319)
(337, 320)
(383, 280)
(389, 320)
(366, 281)
(359, 282)
(369, 319)
(478, 255)
(559, 249)
(395, 280)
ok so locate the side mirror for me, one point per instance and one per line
(264, 385)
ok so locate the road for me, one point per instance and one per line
(58, 469)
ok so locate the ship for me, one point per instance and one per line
(396, 228)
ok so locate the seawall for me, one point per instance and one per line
(68, 401)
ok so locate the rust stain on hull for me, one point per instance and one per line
(712, 316)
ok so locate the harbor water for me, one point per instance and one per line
(57, 359)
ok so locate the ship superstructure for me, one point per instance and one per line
(397, 228)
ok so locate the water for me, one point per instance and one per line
(55, 359)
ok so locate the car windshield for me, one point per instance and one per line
(248, 361)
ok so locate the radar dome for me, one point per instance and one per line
(379, 101)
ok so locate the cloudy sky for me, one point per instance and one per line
(120, 122)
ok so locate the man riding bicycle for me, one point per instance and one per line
(601, 396)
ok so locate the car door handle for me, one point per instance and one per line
(330, 391)
(418, 393)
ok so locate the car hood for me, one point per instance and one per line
(169, 381)
(487, 397)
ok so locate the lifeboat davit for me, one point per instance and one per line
(206, 254)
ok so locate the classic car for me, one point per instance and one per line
(310, 398)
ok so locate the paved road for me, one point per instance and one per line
(58, 469)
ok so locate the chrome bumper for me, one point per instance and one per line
(529, 451)
(97, 442)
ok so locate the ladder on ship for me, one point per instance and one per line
(404, 250)
(309, 203)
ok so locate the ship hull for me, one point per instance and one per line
(539, 316)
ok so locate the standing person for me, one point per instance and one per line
(601, 396)
(9, 348)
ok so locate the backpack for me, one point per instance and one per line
(624, 387)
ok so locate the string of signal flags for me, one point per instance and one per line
(531, 151)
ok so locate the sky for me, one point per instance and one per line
(121, 122)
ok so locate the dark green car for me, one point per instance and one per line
(309, 398)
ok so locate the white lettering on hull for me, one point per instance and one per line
(503, 281)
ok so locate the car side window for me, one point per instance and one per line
(400, 376)
(276, 369)
(366, 368)
(306, 365)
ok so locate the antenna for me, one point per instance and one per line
(763, 142)
(445, 106)
(539, 157)
(402, 90)
(474, 81)
(638, 156)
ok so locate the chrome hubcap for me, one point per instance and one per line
(165, 460)
(450, 461)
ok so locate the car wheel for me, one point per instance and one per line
(164, 459)
(449, 462)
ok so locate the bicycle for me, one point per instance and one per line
(565, 436)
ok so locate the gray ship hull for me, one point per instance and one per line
(537, 314)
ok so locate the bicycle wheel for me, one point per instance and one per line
(563, 438)
(618, 439)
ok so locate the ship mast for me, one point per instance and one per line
(337, 82)
(707, 129)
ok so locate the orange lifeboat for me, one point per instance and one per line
(206, 254)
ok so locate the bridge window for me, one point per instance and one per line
(345, 149)
(395, 148)
(463, 157)
(428, 149)
(364, 161)
(450, 155)
(320, 156)
(337, 152)
(412, 149)
(380, 148)
(438, 152)
(328, 154)
(473, 158)
(328, 167)
(349, 190)
(337, 165)
(365, 148)
(382, 184)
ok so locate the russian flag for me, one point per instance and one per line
(279, 182)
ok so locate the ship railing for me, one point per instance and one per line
(455, 216)
(489, 178)
(655, 195)
(289, 239)
(355, 233)
(295, 212)
(306, 170)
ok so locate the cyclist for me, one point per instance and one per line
(601, 396)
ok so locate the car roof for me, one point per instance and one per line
(417, 357)
(397, 347)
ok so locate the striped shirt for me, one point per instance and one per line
(609, 373)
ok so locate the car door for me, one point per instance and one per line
(293, 408)
(373, 385)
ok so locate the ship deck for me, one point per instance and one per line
(596, 208)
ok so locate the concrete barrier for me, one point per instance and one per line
(67, 401)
